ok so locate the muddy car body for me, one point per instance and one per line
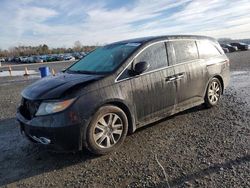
(145, 80)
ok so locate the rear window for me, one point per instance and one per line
(185, 50)
(207, 49)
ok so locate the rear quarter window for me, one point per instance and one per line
(207, 49)
(185, 51)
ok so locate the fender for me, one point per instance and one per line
(116, 102)
(214, 76)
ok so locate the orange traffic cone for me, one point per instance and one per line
(10, 69)
(26, 73)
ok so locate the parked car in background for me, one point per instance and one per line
(83, 54)
(229, 47)
(226, 50)
(16, 59)
(10, 59)
(23, 59)
(77, 55)
(30, 59)
(69, 58)
(44, 58)
(241, 46)
(59, 57)
(37, 59)
(52, 57)
(2, 59)
(121, 87)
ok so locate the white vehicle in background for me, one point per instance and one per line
(2, 60)
(10, 59)
(69, 58)
(24, 59)
(30, 59)
(37, 59)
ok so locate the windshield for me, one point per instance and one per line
(104, 59)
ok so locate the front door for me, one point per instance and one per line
(154, 91)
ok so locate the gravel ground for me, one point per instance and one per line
(196, 148)
(240, 61)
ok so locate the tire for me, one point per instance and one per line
(213, 93)
(107, 130)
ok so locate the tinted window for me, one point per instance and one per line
(185, 51)
(104, 59)
(155, 55)
(207, 49)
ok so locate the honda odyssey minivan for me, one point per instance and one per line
(120, 87)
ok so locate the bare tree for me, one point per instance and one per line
(77, 46)
(43, 49)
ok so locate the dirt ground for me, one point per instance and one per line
(196, 148)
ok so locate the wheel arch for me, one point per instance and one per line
(115, 102)
(219, 77)
(127, 111)
(221, 81)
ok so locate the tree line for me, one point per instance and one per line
(44, 50)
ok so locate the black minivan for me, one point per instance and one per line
(120, 87)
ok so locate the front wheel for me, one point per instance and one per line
(107, 130)
(213, 93)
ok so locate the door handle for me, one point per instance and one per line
(175, 77)
(170, 78)
(180, 76)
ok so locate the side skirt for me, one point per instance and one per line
(156, 116)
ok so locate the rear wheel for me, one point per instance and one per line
(107, 130)
(213, 93)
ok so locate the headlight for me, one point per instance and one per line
(53, 107)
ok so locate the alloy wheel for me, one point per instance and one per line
(108, 130)
(214, 92)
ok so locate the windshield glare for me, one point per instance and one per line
(104, 59)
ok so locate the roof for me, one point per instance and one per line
(164, 37)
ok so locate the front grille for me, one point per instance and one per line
(29, 108)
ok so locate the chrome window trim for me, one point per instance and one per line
(167, 40)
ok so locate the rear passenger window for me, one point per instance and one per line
(155, 55)
(185, 51)
(207, 49)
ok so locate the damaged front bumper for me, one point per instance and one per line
(51, 131)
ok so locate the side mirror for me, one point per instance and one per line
(140, 67)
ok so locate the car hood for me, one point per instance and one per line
(53, 87)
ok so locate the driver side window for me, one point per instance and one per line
(155, 56)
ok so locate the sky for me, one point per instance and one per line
(59, 23)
